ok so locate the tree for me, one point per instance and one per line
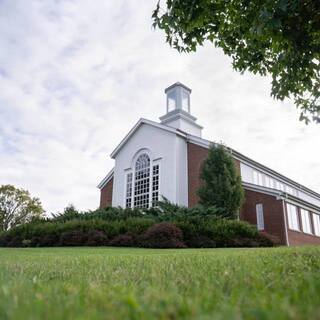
(17, 207)
(276, 37)
(221, 183)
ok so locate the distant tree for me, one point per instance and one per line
(276, 37)
(69, 213)
(17, 207)
(221, 183)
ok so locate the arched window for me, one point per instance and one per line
(142, 182)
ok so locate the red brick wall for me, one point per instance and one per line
(106, 195)
(272, 212)
(196, 156)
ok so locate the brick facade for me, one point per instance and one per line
(272, 212)
(196, 156)
(106, 194)
(298, 238)
(274, 209)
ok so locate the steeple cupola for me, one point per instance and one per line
(178, 110)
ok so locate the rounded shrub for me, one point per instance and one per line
(73, 238)
(97, 238)
(123, 240)
(162, 235)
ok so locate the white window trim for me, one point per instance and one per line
(260, 217)
(155, 163)
(132, 170)
(313, 221)
(127, 172)
(290, 221)
(302, 214)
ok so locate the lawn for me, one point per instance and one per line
(119, 283)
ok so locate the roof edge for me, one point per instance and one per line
(106, 179)
(237, 155)
(136, 126)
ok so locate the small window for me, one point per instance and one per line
(316, 224)
(171, 101)
(255, 177)
(267, 181)
(292, 214)
(305, 219)
(155, 185)
(129, 190)
(185, 101)
(142, 182)
(260, 179)
(271, 183)
(260, 218)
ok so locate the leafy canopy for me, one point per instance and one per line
(17, 207)
(221, 183)
(276, 37)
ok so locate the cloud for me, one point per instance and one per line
(75, 77)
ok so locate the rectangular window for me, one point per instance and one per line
(267, 181)
(316, 224)
(129, 190)
(255, 177)
(306, 223)
(271, 183)
(260, 179)
(155, 185)
(260, 218)
(292, 214)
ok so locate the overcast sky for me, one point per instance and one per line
(76, 76)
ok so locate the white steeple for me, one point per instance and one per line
(178, 110)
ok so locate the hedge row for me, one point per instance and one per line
(138, 232)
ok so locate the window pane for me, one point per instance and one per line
(142, 182)
(255, 177)
(260, 218)
(305, 218)
(155, 185)
(316, 224)
(292, 217)
(171, 101)
(185, 101)
(128, 190)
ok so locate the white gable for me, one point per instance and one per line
(164, 147)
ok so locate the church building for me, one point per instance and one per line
(163, 159)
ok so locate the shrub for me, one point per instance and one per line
(268, 240)
(48, 240)
(15, 241)
(123, 240)
(162, 235)
(97, 238)
(73, 238)
(200, 241)
(26, 243)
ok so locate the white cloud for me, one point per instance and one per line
(75, 77)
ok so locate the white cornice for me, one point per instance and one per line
(135, 128)
(281, 195)
(106, 179)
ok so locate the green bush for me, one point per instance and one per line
(200, 227)
(162, 235)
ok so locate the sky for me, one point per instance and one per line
(75, 77)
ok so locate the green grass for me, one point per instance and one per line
(110, 283)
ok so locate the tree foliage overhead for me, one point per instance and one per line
(221, 183)
(276, 37)
(17, 207)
